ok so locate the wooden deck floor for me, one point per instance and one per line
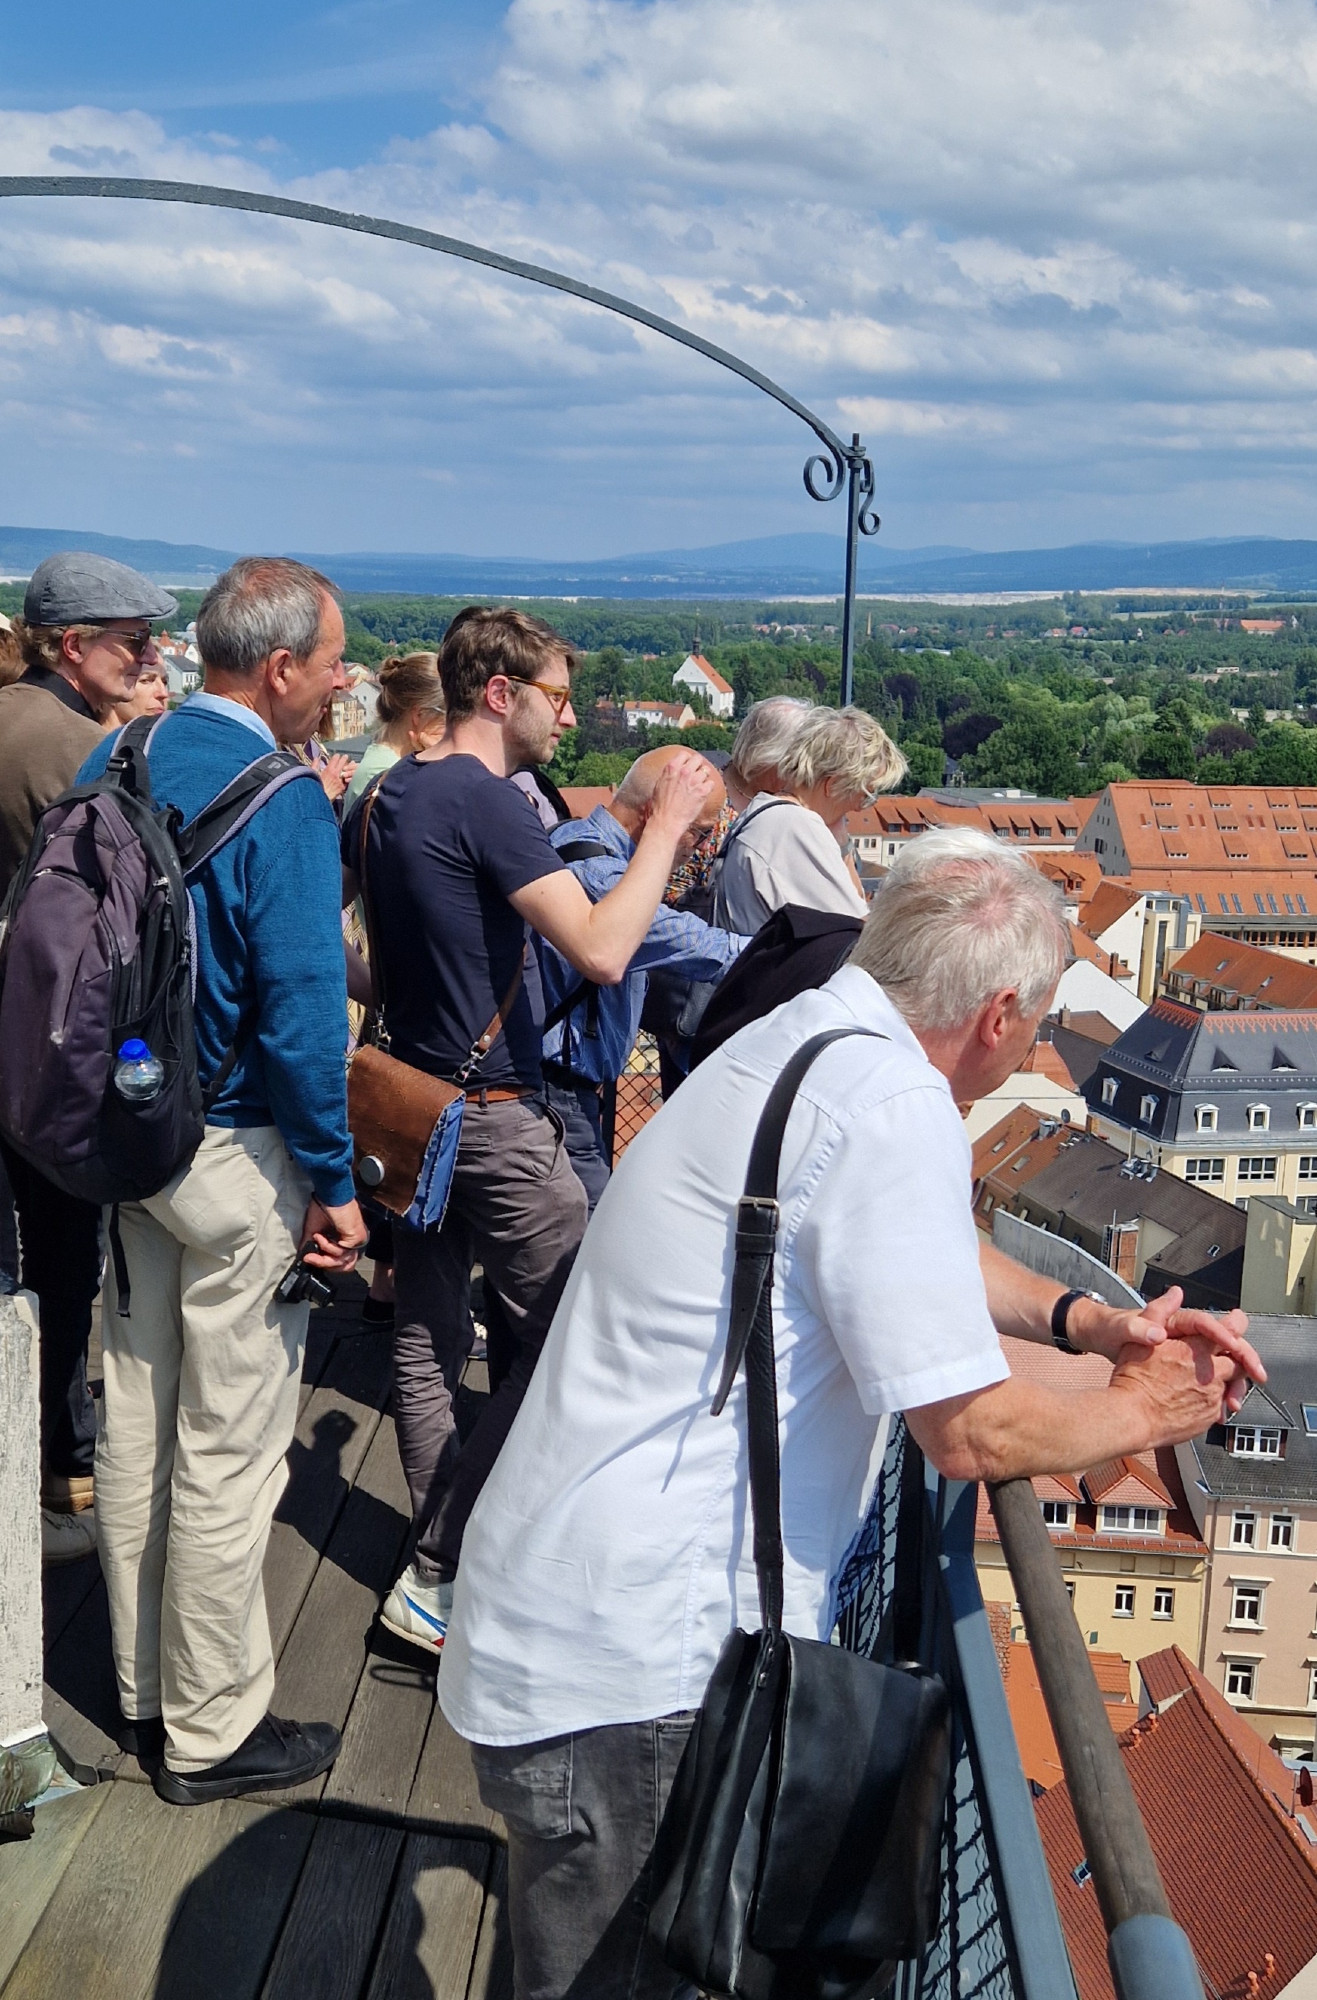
(381, 1881)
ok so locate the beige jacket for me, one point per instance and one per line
(45, 738)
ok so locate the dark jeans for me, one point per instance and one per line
(582, 1812)
(517, 1209)
(578, 1106)
(60, 1238)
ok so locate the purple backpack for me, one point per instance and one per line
(97, 948)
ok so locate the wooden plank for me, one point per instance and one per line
(491, 1970)
(429, 1942)
(390, 1711)
(30, 1870)
(81, 1700)
(324, 1658)
(104, 1929)
(227, 1924)
(65, 1588)
(444, 1793)
(334, 1433)
(329, 1939)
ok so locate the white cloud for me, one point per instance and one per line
(1045, 252)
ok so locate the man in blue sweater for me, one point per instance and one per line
(201, 1381)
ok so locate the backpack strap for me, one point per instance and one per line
(239, 802)
(579, 850)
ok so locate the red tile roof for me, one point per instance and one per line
(1024, 1697)
(1239, 1873)
(1224, 828)
(714, 677)
(1110, 900)
(1226, 965)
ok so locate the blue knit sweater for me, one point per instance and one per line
(269, 940)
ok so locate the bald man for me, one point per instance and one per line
(590, 1030)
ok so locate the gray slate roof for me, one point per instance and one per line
(1184, 1058)
(1289, 1353)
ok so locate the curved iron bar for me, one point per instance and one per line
(842, 464)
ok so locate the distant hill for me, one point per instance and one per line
(803, 565)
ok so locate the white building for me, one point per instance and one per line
(696, 674)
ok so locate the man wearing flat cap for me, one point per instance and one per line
(85, 635)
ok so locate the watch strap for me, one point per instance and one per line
(1060, 1314)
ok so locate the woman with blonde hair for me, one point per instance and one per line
(410, 714)
(788, 845)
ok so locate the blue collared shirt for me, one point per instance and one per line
(675, 940)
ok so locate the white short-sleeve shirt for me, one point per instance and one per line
(780, 852)
(609, 1556)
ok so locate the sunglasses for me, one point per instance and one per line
(557, 697)
(135, 643)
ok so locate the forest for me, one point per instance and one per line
(1054, 696)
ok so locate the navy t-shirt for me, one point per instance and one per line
(446, 846)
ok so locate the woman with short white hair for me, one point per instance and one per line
(788, 845)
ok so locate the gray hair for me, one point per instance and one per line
(845, 744)
(766, 734)
(261, 604)
(958, 918)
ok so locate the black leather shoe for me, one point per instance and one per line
(143, 1737)
(276, 1754)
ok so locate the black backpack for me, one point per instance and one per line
(795, 949)
(98, 947)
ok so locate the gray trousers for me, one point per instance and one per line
(582, 1814)
(517, 1208)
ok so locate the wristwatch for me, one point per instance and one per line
(1061, 1313)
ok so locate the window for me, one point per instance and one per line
(1312, 1687)
(1308, 1117)
(1056, 1513)
(1070, 1588)
(1132, 1520)
(1257, 1167)
(1243, 1531)
(1241, 1679)
(1148, 1108)
(1246, 1604)
(1206, 1170)
(1310, 1419)
(1109, 1089)
(1124, 1606)
(1252, 1441)
(1282, 1532)
(1163, 1603)
(1259, 1117)
(1308, 1166)
(1205, 1118)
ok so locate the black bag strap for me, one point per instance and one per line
(241, 799)
(579, 850)
(750, 1323)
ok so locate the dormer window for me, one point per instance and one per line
(1308, 1117)
(1205, 1117)
(1147, 1108)
(1255, 1441)
(1056, 1513)
(1259, 1117)
(1132, 1520)
(1109, 1089)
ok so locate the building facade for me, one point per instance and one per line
(696, 675)
(1251, 1485)
(1226, 1101)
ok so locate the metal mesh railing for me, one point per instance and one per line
(639, 1094)
(970, 1958)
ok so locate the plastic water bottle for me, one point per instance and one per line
(138, 1075)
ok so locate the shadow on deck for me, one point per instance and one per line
(380, 1881)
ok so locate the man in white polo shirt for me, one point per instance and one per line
(609, 1556)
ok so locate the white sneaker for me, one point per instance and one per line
(66, 1538)
(417, 1610)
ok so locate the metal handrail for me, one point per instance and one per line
(825, 472)
(1149, 1954)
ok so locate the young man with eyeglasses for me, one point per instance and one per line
(85, 634)
(459, 871)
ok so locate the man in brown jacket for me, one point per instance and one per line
(85, 634)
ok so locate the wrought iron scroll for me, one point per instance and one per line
(838, 464)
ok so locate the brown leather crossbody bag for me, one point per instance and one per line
(395, 1109)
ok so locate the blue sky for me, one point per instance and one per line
(1054, 258)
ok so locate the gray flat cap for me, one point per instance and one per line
(72, 588)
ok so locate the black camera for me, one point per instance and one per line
(300, 1285)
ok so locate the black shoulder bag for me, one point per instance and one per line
(799, 1857)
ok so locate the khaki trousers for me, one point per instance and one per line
(200, 1402)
